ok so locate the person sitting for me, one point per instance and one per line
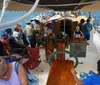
(4, 55)
(5, 42)
(91, 80)
(12, 41)
(78, 33)
(16, 46)
(9, 76)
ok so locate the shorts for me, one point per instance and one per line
(87, 36)
(8, 60)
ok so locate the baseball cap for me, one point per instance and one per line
(16, 27)
(4, 33)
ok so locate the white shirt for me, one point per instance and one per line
(35, 25)
(28, 30)
(17, 37)
(92, 21)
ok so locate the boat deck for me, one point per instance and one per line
(89, 62)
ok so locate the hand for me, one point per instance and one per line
(27, 47)
(12, 57)
(73, 71)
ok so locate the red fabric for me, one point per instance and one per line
(6, 43)
(33, 61)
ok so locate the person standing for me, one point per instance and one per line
(81, 25)
(88, 27)
(17, 34)
(28, 30)
(35, 33)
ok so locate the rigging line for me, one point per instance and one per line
(22, 17)
(73, 4)
(5, 4)
(78, 4)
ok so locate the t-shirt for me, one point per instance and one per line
(12, 42)
(35, 25)
(6, 43)
(29, 30)
(92, 80)
(87, 28)
(81, 27)
(1, 49)
(78, 34)
(18, 37)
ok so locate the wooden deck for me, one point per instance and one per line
(60, 73)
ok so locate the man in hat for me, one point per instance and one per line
(5, 42)
(17, 34)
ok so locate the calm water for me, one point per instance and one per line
(11, 15)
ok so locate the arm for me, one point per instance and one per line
(82, 34)
(74, 35)
(4, 57)
(22, 75)
(9, 55)
(5, 48)
(91, 27)
(78, 82)
(18, 43)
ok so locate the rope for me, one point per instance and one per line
(73, 4)
(22, 17)
(78, 4)
(5, 4)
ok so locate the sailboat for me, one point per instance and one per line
(92, 51)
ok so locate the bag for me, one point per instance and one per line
(32, 79)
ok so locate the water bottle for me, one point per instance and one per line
(83, 75)
(91, 73)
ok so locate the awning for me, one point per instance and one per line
(59, 5)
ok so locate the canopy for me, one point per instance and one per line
(59, 5)
(93, 7)
(81, 17)
(55, 17)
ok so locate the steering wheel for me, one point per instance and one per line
(71, 57)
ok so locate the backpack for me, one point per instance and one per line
(32, 79)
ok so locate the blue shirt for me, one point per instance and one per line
(88, 27)
(92, 80)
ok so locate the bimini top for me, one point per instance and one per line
(60, 5)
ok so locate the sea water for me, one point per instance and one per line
(11, 15)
